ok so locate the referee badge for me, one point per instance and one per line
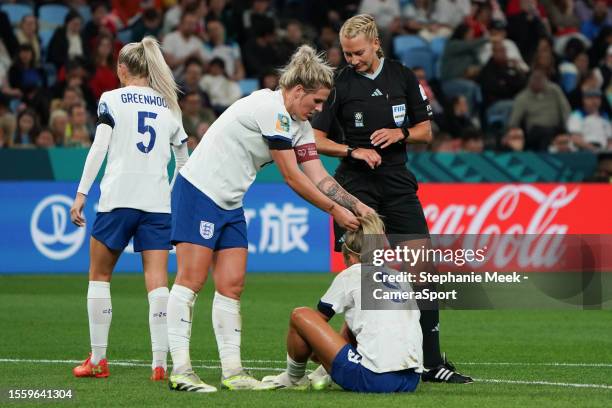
(399, 113)
(358, 119)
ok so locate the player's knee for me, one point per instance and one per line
(299, 314)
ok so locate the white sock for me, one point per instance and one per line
(294, 369)
(100, 313)
(228, 326)
(158, 303)
(180, 315)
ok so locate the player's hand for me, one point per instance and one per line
(361, 210)
(345, 218)
(386, 137)
(76, 211)
(370, 156)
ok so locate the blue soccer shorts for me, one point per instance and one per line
(198, 220)
(151, 231)
(348, 373)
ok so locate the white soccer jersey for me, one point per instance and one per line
(136, 173)
(388, 340)
(237, 145)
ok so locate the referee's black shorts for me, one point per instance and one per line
(391, 191)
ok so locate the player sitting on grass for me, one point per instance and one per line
(387, 356)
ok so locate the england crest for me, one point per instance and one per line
(207, 229)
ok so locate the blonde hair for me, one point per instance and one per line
(144, 59)
(307, 68)
(361, 24)
(355, 242)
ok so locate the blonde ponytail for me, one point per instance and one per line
(307, 68)
(144, 59)
(355, 241)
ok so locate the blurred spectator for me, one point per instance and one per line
(8, 121)
(183, 43)
(260, 52)
(383, 11)
(600, 46)
(472, 141)
(606, 68)
(259, 12)
(498, 33)
(172, 16)
(451, 13)
(5, 141)
(67, 42)
(525, 26)
(592, 80)
(27, 129)
(444, 143)
(5, 64)
(24, 75)
(78, 130)
(335, 57)
(221, 90)
(480, 18)
(44, 139)
(99, 11)
(603, 171)
(149, 23)
(327, 38)
(562, 16)
(191, 78)
(269, 80)
(58, 122)
(544, 60)
(192, 142)
(294, 37)
(589, 128)
(76, 76)
(228, 15)
(601, 16)
(7, 36)
(460, 57)
(27, 33)
(500, 79)
(194, 113)
(229, 51)
(513, 140)
(562, 143)
(104, 76)
(457, 117)
(541, 110)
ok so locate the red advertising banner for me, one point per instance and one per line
(515, 209)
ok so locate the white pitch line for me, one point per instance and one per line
(499, 363)
(139, 363)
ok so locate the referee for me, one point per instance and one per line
(379, 106)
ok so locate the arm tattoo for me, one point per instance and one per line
(334, 191)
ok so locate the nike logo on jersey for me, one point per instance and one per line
(377, 92)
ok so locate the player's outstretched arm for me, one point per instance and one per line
(317, 174)
(301, 184)
(93, 163)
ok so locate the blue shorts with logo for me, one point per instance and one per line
(198, 220)
(151, 231)
(348, 373)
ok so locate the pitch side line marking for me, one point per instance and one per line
(483, 380)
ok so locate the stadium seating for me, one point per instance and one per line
(125, 35)
(16, 12)
(51, 16)
(85, 13)
(248, 86)
(437, 46)
(412, 51)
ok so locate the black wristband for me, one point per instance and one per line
(349, 150)
(406, 134)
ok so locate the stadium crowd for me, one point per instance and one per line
(507, 75)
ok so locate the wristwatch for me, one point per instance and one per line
(349, 150)
(406, 134)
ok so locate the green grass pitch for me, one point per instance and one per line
(520, 358)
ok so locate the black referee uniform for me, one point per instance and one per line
(389, 98)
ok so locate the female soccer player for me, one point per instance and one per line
(136, 126)
(208, 219)
(381, 107)
(387, 356)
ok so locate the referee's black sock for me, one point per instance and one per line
(430, 320)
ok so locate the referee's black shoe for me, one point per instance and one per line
(445, 373)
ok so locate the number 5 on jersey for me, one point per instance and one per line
(144, 128)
